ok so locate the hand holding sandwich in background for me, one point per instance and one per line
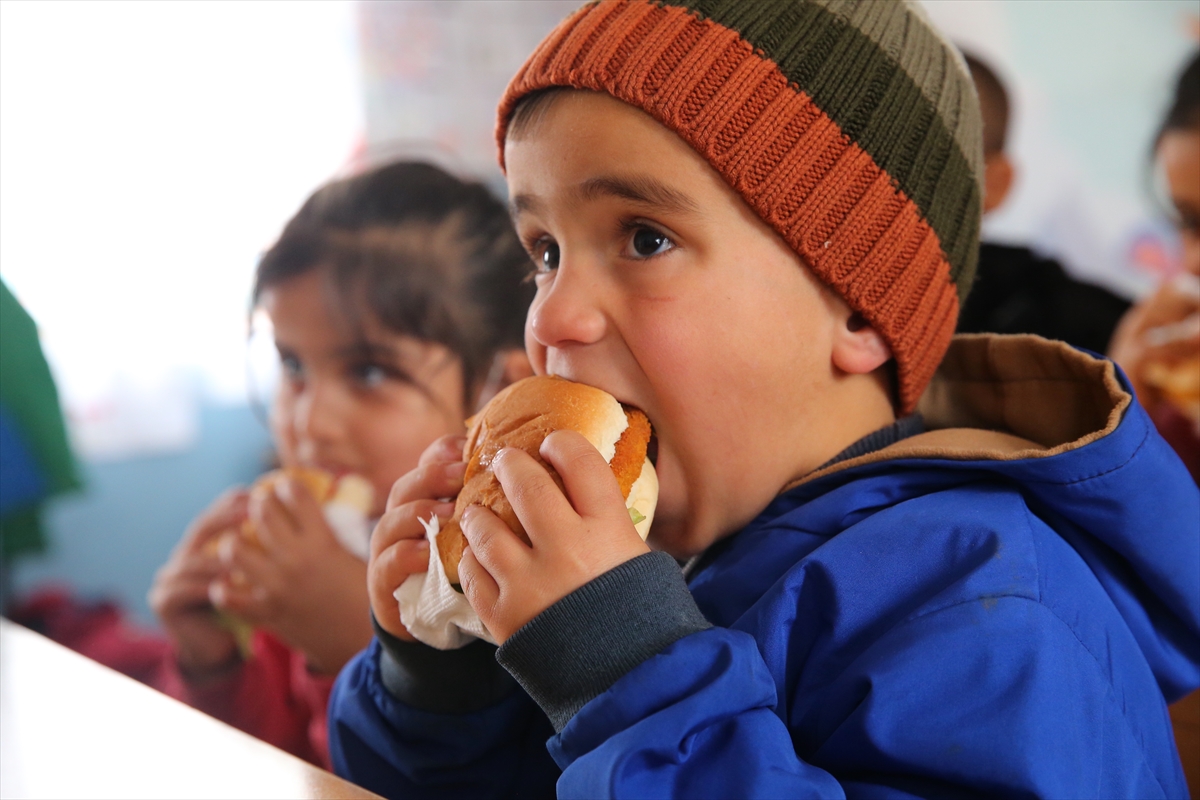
(294, 577)
(204, 647)
(1158, 345)
(285, 571)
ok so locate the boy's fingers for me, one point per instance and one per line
(429, 481)
(590, 484)
(495, 546)
(479, 587)
(393, 566)
(447, 448)
(533, 494)
(405, 523)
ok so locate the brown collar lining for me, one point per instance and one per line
(1006, 398)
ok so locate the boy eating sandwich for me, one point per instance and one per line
(910, 566)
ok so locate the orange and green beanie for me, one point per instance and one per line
(851, 128)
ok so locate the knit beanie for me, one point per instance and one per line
(851, 128)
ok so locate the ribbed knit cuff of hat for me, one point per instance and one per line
(852, 129)
(577, 648)
(442, 681)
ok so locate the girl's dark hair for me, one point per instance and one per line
(416, 250)
(1184, 113)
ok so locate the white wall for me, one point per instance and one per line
(1090, 82)
(148, 153)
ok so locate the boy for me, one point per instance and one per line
(1016, 290)
(754, 222)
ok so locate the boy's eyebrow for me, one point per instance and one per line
(639, 189)
(522, 203)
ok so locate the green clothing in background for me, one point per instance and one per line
(28, 395)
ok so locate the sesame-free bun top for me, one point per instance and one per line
(326, 488)
(522, 416)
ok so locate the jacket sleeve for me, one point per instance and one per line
(994, 696)
(652, 701)
(398, 749)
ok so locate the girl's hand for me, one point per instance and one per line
(398, 546)
(1164, 328)
(297, 581)
(575, 538)
(180, 594)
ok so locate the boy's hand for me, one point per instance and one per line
(297, 581)
(399, 547)
(575, 538)
(180, 594)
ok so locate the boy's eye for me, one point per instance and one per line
(548, 260)
(647, 242)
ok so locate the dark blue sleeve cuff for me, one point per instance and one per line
(458, 681)
(578, 647)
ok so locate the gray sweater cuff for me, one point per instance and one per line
(442, 681)
(578, 647)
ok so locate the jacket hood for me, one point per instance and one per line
(1063, 426)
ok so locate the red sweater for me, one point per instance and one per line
(273, 696)
(1180, 433)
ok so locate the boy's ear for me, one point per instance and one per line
(509, 366)
(857, 347)
(998, 175)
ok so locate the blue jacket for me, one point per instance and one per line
(1000, 606)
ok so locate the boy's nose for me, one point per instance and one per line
(568, 311)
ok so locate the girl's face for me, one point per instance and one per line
(363, 404)
(1179, 154)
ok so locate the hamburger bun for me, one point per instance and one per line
(1179, 384)
(523, 415)
(351, 491)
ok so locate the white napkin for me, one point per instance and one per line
(351, 527)
(431, 610)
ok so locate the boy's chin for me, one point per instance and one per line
(671, 536)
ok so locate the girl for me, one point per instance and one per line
(1159, 339)
(398, 306)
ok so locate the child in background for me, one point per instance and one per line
(397, 304)
(1158, 341)
(1015, 289)
(914, 566)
